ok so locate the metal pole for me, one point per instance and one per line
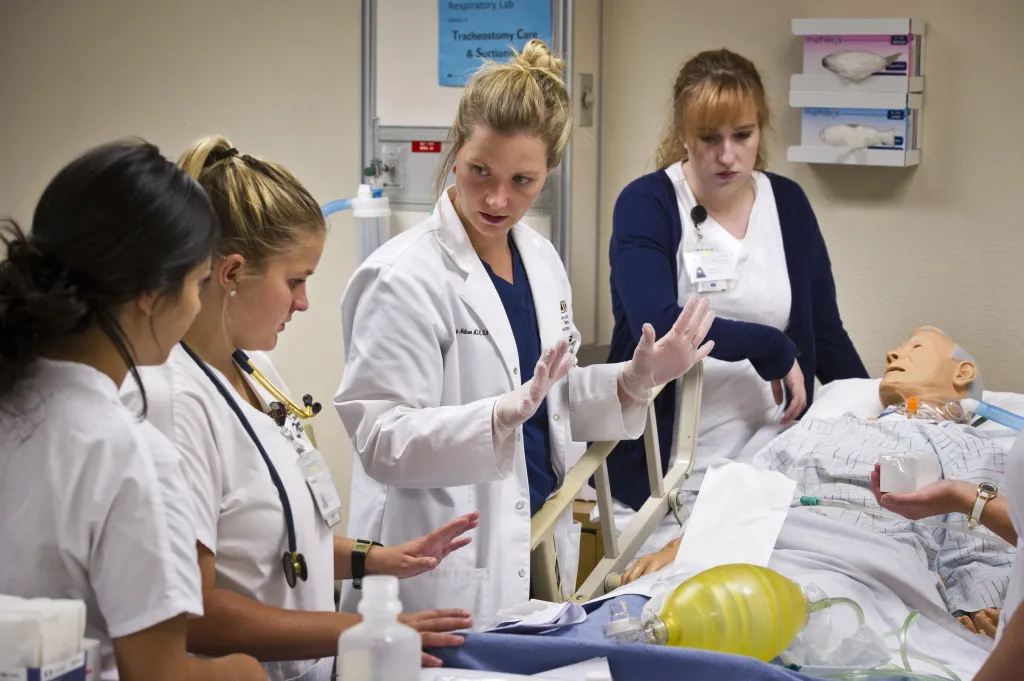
(368, 84)
(561, 25)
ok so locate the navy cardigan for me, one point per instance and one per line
(646, 234)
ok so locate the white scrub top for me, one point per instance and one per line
(736, 401)
(93, 506)
(1013, 487)
(239, 515)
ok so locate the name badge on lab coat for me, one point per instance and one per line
(321, 484)
(710, 270)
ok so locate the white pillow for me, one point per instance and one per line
(856, 395)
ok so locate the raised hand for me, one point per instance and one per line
(423, 554)
(655, 363)
(515, 407)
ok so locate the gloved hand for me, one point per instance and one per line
(514, 408)
(657, 363)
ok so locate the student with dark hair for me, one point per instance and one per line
(92, 498)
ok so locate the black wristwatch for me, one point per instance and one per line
(359, 552)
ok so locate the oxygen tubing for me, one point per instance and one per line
(829, 602)
(336, 206)
(815, 501)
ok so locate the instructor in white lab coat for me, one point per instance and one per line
(458, 334)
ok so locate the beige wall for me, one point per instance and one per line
(939, 244)
(281, 79)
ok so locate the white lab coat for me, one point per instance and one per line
(428, 351)
(93, 506)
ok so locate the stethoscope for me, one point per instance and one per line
(293, 562)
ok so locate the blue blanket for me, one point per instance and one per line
(519, 654)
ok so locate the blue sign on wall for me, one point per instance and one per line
(470, 31)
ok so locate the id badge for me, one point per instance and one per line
(710, 270)
(321, 484)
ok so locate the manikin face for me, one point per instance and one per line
(497, 179)
(923, 367)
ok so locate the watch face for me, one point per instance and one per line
(987, 488)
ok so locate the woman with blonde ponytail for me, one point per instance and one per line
(461, 390)
(266, 550)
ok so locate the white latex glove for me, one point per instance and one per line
(657, 363)
(514, 408)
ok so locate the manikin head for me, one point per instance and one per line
(931, 367)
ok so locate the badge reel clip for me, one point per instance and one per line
(711, 269)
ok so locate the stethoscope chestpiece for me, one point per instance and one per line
(279, 413)
(294, 565)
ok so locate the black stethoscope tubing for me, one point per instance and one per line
(294, 557)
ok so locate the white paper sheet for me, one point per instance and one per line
(445, 674)
(596, 668)
(737, 517)
(537, 616)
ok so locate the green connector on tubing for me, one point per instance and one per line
(809, 501)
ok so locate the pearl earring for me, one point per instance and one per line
(233, 293)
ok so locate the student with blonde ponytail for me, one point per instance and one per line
(461, 390)
(267, 555)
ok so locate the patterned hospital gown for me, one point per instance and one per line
(833, 459)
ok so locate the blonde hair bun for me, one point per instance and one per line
(526, 94)
(536, 55)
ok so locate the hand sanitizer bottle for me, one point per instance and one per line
(380, 648)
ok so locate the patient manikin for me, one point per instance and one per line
(832, 459)
(930, 367)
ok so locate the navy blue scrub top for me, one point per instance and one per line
(517, 299)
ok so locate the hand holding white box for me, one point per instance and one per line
(906, 473)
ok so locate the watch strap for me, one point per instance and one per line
(359, 552)
(976, 511)
(984, 496)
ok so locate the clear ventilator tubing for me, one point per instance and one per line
(989, 411)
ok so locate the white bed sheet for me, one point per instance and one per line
(885, 577)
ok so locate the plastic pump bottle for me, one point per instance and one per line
(372, 214)
(380, 648)
(740, 609)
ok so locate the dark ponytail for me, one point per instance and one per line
(119, 222)
(37, 304)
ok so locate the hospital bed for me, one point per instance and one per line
(796, 548)
(666, 495)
